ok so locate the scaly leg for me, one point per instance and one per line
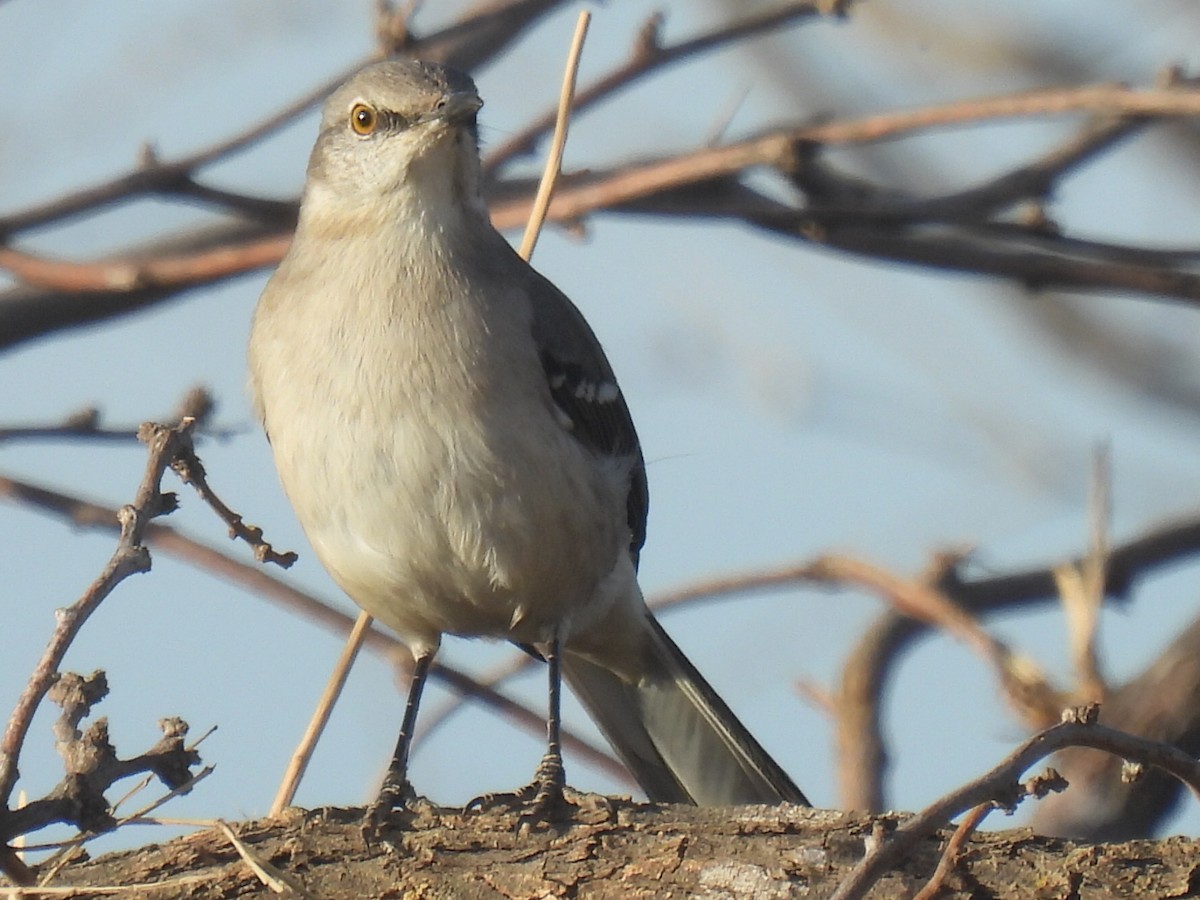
(396, 790)
(545, 795)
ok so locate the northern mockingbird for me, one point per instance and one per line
(455, 445)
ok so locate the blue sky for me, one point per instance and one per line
(790, 401)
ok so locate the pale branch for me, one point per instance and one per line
(165, 538)
(1001, 787)
(780, 148)
(27, 312)
(175, 272)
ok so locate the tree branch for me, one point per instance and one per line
(1001, 787)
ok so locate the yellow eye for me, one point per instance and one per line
(363, 119)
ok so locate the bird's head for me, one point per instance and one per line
(398, 131)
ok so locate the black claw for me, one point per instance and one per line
(543, 801)
(393, 796)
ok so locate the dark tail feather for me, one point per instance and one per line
(677, 737)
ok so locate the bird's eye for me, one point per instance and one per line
(363, 119)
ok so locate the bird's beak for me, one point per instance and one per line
(457, 108)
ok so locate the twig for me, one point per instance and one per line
(1001, 786)
(970, 822)
(273, 877)
(1081, 587)
(190, 470)
(86, 423)
(92, 765)
(133, 818)
(541, 200)
(320, 717)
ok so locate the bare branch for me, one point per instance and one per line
(701, 183)
(1000, 786)
(92, 764)
(648, 56)
(130, 557)
(971, 821)
(468, 43)
(186, 464)
(172, 272)
(86, 424)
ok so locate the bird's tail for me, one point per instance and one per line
(672, 731)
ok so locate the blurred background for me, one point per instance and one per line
(792, 399)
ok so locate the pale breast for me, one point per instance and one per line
(439, 489)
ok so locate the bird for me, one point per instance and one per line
(454, 443)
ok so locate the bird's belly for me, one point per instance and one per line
(448, 533)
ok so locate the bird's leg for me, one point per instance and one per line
(396, 790)
(545, 795)
(550, 778)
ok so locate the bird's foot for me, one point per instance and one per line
(394, 797)
(542, 802)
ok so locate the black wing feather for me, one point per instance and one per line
(584, 387)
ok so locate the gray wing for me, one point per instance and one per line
(584, 387)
